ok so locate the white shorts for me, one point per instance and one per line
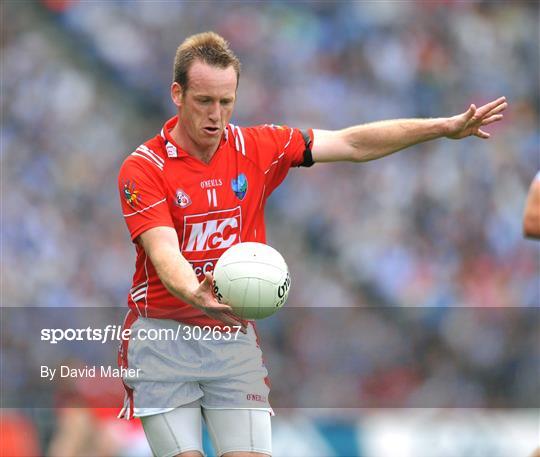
(171, 372)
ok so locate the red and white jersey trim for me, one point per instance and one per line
(146, 208)
(146, 153)
(139, 292)
(238, 139)
(275, 161)
(127, 410)
(282, 154)
(147, 288)
(288, 142)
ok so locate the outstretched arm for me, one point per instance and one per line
(378, 139)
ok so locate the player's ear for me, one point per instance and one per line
(176, 94)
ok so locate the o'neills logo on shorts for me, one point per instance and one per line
(211, 233)
(256, 397)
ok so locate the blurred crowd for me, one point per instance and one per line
(424, 249)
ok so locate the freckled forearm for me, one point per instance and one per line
(176, 273)
(378, 139)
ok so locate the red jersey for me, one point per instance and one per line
(211, 206)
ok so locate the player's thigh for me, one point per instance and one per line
(239, 432)
(243, 454)
(177, 432)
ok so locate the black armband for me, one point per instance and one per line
(308, 157)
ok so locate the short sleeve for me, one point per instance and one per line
(278, 148)
(143, 197)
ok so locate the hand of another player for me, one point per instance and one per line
(471, 121)
(207, 303)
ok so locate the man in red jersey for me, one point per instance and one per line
(188, 194)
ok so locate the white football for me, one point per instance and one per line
(253, 279)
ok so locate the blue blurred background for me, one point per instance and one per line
(436, 227)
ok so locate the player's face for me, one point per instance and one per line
(206, 106)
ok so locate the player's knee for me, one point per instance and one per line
(189, 454)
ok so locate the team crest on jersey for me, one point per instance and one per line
(131, 194)
(240, 186)
(182, 199)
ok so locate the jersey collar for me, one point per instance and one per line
(172, 148)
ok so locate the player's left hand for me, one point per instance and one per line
(470, 122)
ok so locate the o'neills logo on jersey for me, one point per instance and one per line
(214, 231)
(209, 183)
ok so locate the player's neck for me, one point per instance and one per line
(182, 139)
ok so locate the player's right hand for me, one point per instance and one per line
(205, 300)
